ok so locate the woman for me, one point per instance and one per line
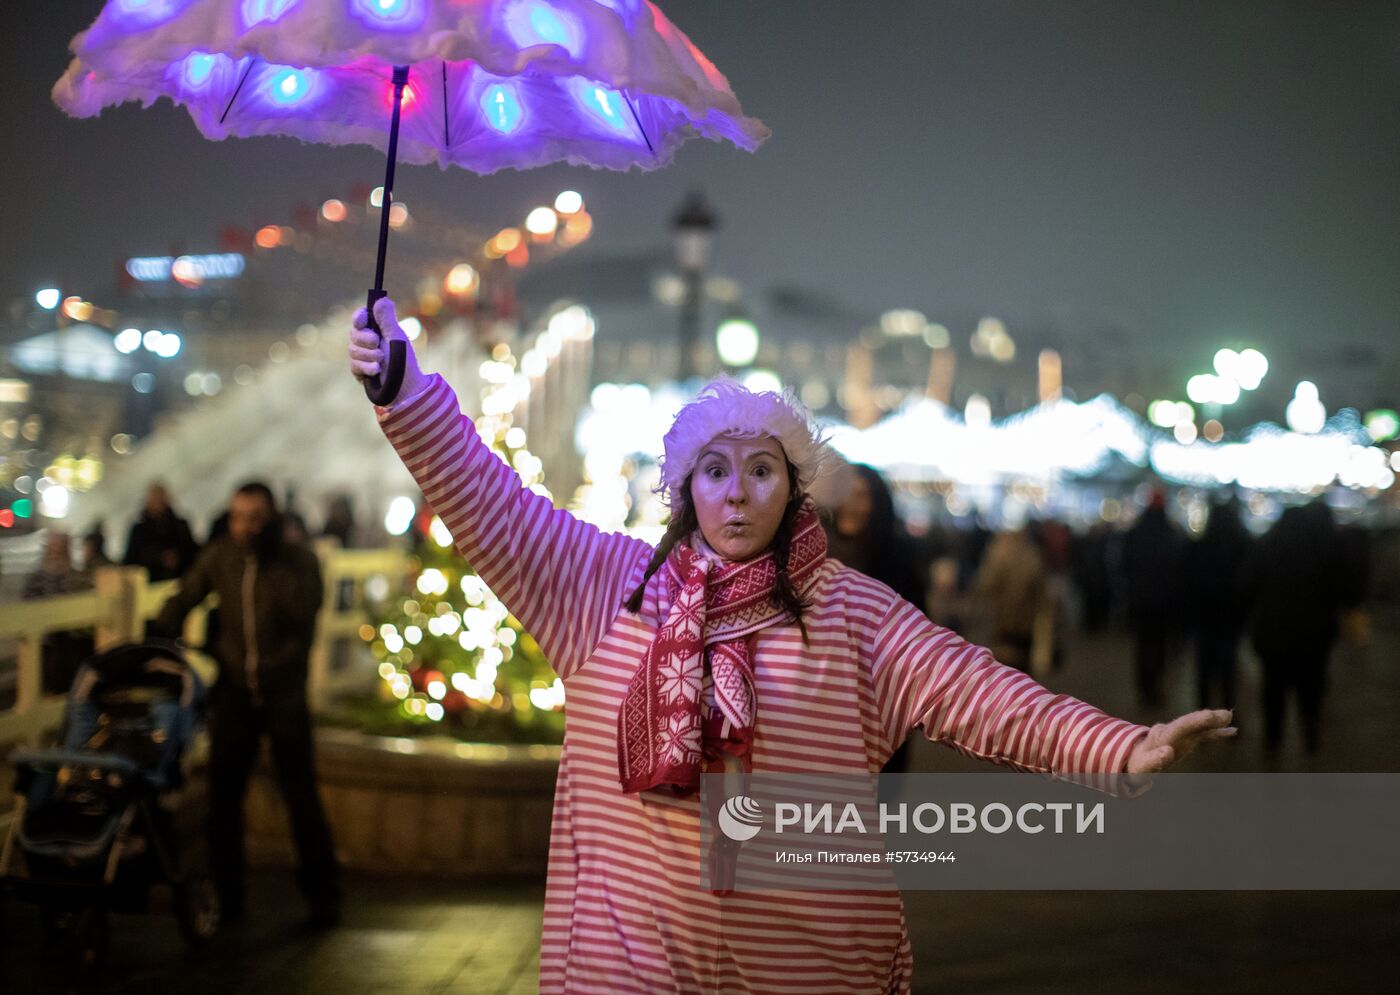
(736, 642)
(866, 535)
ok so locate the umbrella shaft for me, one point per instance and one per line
(400, 79)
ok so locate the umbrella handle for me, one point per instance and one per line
(382, 389)
(384, 386)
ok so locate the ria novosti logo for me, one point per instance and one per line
(741, 818)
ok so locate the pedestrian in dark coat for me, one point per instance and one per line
(269, 594)
(1296, 583)
(1152, 562)
(1215, 565)
(160, 540)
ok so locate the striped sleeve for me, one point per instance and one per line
(564, 579)
(930, 677)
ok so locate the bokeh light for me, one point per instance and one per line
(127, 341)
(461, 279)
(736, 341)
(542, 222)
(399, 516)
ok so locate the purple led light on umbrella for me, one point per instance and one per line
(535, 22)
(197, 68)
(602, 104)
(501, 105)
(205, 76)
(145, 13)
(392, 15)
(625, 9)
(617, 5)
(287, 87)
(264, 11)
(313, 70)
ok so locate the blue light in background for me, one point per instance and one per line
(501, 105)
(603, 105)
(216, 266)
(535, 22)
(260, 11)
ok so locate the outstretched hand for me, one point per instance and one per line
(368, 352)
(1168, 742)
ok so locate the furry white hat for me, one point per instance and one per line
(726, 407)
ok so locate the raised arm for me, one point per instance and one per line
(564, 579)
(930, 677)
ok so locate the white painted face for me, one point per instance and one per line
(739, 491)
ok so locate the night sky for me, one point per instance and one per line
(1158, 179)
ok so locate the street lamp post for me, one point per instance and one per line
(693, 228)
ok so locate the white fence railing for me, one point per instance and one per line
(122, 601)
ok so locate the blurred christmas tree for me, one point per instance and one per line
(452, 659)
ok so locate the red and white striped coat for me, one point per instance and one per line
(624, 909)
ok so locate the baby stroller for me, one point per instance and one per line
(88, 818)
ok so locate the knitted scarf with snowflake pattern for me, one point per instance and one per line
(692, 697)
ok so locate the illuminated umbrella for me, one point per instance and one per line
(484, 84)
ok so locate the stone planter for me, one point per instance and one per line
(431, 806)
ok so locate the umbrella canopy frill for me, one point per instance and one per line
(492, 83)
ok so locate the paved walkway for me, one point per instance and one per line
(444, 936)
(416, 935)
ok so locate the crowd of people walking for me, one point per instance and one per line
(1283, 592)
